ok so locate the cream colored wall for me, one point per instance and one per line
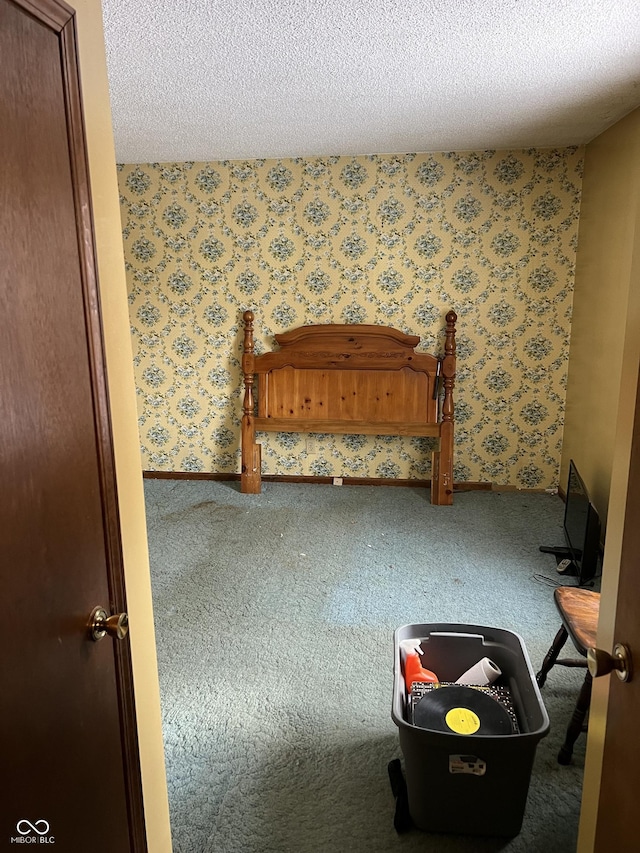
(600, 411)
(124, 418)
(607, 237)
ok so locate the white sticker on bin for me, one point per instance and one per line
(467, 764)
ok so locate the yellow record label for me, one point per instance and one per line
(462, 721)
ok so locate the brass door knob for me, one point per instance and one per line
(101, 624)
(602, 663)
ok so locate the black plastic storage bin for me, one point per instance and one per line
(469, 784)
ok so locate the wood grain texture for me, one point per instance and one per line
(350, 379)
(579, 609)
(60, 540)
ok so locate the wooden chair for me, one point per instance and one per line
(578, 610)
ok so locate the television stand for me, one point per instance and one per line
(565, 564)
(557, 551)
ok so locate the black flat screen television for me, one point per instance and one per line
(581, 526)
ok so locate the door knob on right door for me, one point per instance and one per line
(101, 624)
(602, 663)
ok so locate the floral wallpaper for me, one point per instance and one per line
(396, 240)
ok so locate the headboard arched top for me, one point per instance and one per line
(336, 346)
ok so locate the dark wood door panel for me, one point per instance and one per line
(67, 702)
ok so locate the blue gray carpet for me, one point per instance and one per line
(275, 616)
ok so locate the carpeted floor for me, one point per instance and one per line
(275, 616)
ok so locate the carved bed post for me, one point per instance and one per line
(442, 459)
(250, 477)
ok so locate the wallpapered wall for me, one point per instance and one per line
(396, 240)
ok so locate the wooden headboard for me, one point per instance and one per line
(357, 379)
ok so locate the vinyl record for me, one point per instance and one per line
(463, 711)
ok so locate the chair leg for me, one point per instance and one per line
(577, 720)
(552, 655)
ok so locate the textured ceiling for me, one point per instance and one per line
(246, 79)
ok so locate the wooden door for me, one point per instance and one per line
(620, 780)
(70, 762)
